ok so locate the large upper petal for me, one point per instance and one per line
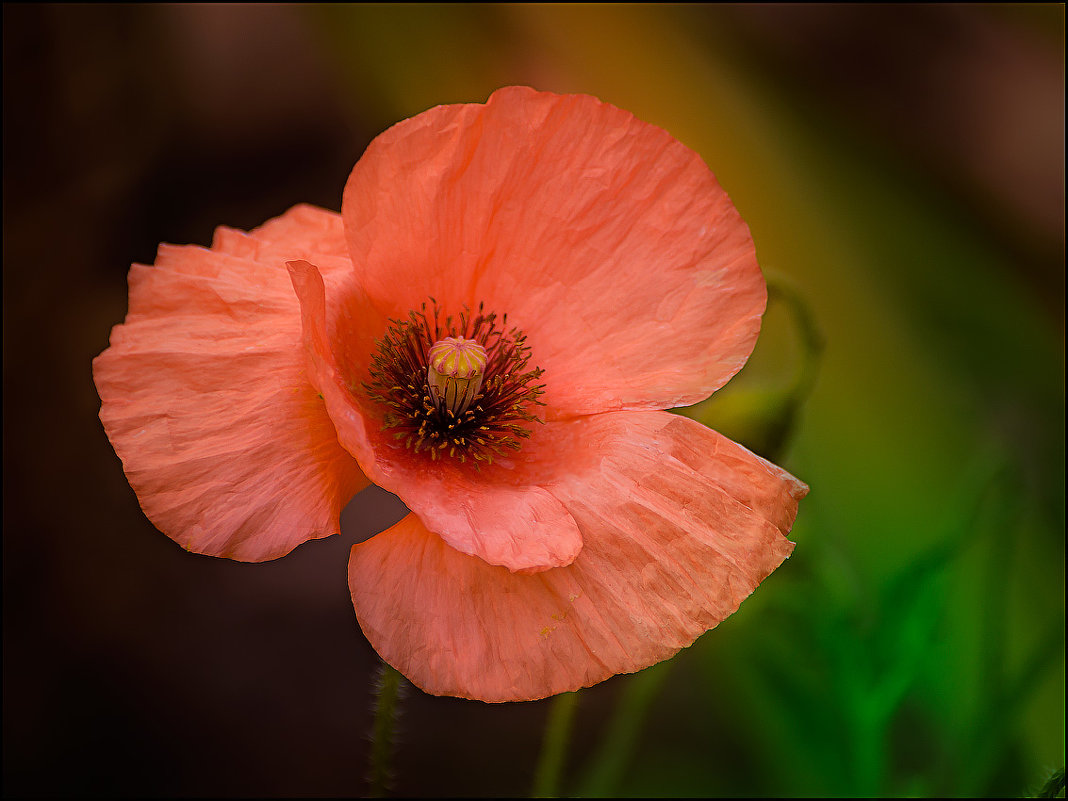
(206, 400)
(679, 525)
(609, 242)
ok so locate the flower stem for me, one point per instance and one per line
(780, 288)
(389, 690)
(554, 746)
(622, 734)
(1054, 787)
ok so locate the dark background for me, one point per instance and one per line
(901, 166)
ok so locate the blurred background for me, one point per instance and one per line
(902, 171)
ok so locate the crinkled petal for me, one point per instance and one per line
(498, 513)
(607, 241)
(679, 525)
(206, 400)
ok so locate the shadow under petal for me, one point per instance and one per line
(370, 512)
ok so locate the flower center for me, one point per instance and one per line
(458, 388)
(454, 374)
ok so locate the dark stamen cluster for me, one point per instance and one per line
(495, 419)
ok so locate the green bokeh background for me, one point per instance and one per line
(901, 170)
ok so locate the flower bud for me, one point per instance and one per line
(454, 372)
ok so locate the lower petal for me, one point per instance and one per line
(678, 525)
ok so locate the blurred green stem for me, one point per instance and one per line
(994, 717)
(1054, 786)
(554, 746)
(621, 734)
(762, 417)
(869, 748)
(389, 690)
(779, 288)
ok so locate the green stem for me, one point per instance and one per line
(389, 690)
(1054, 787)
(780, 288)
(554, 746)
(616, 750)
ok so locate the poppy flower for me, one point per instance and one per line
(491, 329)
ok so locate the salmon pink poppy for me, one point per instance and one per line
(491, 329)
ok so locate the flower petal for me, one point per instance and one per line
(497, 513)
(679, 525)
(606, 240)
(206, 401)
